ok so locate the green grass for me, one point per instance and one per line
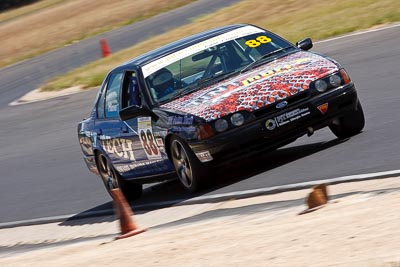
(292, 19)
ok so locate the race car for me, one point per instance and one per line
(202, 102)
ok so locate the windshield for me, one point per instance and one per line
(217, 58)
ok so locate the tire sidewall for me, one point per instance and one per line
(350, 124)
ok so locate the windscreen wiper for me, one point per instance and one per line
(218, 77)
(254, 63)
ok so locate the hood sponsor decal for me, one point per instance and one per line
(277, 70)
(256, 89)
(180, 120)
(212, 96)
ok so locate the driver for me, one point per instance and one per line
(163, 82)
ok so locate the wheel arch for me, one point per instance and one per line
(96, 153)
(167, 144)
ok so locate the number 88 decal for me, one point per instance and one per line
(262, 39)
(148, 143)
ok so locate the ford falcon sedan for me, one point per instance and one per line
(200, 103)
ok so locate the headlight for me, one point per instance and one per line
(221, 125)
(335, 80)
(237, 119)
(321, 85)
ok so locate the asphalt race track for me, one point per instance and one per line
(43, 175)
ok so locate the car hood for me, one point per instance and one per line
(255, 89)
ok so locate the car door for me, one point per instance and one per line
(109, 127)
(150, 156)
(129, 146)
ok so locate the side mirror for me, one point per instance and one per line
(305, 44)
(136, 111)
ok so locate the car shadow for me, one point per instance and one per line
(169, 193)
(252, 166)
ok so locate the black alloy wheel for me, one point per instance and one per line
(191, 173)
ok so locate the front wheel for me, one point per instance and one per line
(112, 180)
(350, 124)
(191, 173)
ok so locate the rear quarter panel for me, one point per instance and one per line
(87, 139)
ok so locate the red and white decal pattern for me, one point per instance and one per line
(258, 88)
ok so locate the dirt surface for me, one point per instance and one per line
(358, 227)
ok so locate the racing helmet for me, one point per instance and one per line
(162, 80)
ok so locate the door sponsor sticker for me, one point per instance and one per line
(147, 138)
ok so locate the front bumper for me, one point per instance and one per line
(284, 126)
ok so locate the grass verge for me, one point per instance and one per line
(50, 24)
(28, 9)
(293, 19)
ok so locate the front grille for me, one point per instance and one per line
(291, 100)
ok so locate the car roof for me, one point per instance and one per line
(175, 46)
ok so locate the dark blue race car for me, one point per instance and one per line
(191, 106)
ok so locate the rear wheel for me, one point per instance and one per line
(350, 124)
(112, 179)
(191, 173)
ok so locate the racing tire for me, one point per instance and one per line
(112, 179)
(350, 124)
(192, 174)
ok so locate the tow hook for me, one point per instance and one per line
(310, 131)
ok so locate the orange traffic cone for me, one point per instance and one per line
(317, 198)
(105, 49)
(124, 212)
(324, 190)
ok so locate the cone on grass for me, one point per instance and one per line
(105, 49)
(124, 213)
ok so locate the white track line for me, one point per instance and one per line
(298, 186)
(214, 198)
(358, 33)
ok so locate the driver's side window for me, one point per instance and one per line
(113, 95)
(131, 95)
